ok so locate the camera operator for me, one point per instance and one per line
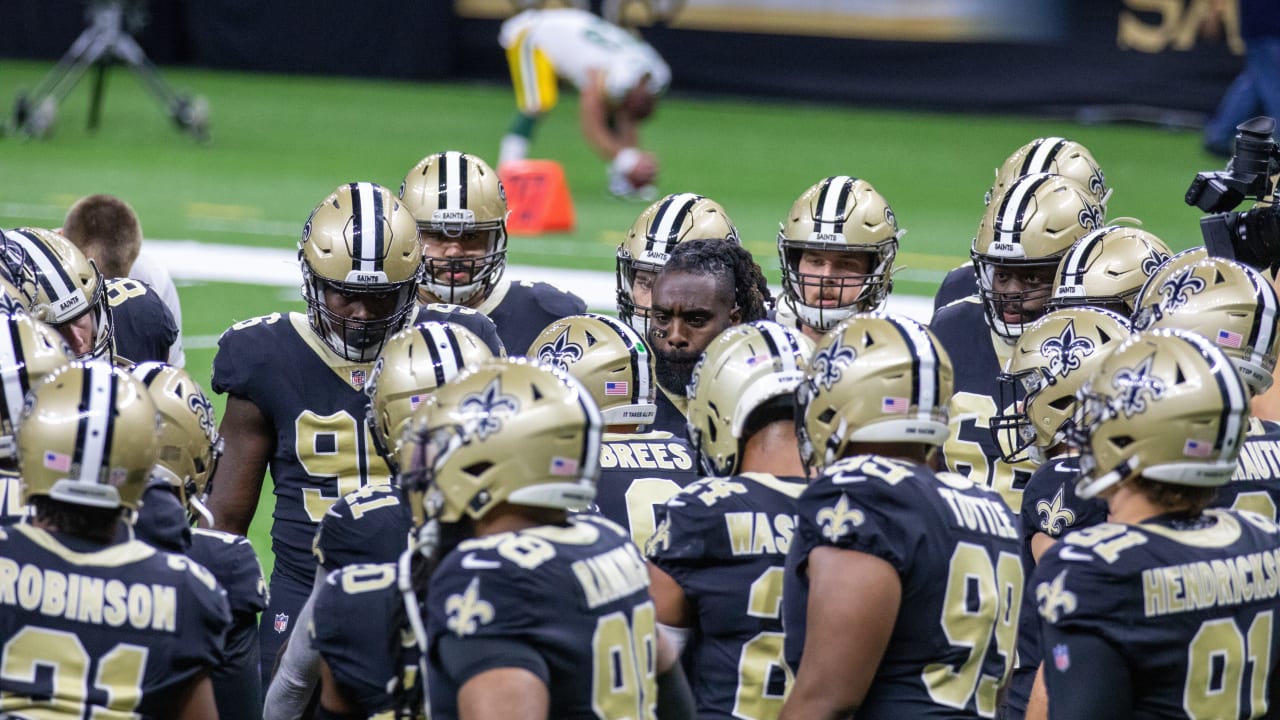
(1257, 88)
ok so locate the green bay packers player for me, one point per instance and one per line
(1056, 155)
(1051, 361)
(1020, 241)
(92, 625)
(716, 562)
(649, 242)
(29, 350)
(638, 470)
(461, 209)
(528, 612)
(902, 585)
(836, 249)
(1168, 610)
(619, 78)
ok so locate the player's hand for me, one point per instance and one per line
(645, 171)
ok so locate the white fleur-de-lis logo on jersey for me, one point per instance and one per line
(487, 409)
(1177, 290)
(1090, 217)
(1136, 386)
(829, 363)
(1055, 599)
(1066, 351)
(467, 612)
(838, 519)
(661, 538)
(560, 352)
(1153, 260)
(1053, 517)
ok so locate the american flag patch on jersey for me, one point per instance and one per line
(617, 387)
(1226, 338)
(564, 466)
(1197, 448)
(895, 405)
(57, 461)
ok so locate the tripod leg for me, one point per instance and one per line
(95, 98)
(191, 115)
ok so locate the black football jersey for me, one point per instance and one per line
(1189, 603)
(125, 627)
(144, 328)
(472, 320)
(977, 356)
(725, 542)
(960, 282)
(521, 309)
(1255, 485)
(671, 414)
(576, 597)
(637, 474)
(12, 506)
(314, 401)
(955, 547)
(371, 525)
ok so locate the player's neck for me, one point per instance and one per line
(1130, 506)
(514, 518)
(772, 449)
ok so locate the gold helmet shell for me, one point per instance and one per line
(67, 284)
(88, 436)
(29, 351)
(1052, 155)
(609, 358)
(744, 369)
(1106, 268)
(189, 442)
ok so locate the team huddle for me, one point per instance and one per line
(1053, 500)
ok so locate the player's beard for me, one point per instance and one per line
(674, 370)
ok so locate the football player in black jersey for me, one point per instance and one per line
(461, 209)
(528, 612)
(638, 470)
(295, 387)
(716, 561)
(704, 287)
(836, 249)
(99, 626)
(1168, 610)
(902, 584)
(1051, 361)
(29, 350)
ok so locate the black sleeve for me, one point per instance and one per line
(463, 659)
(237, 684)
(1087, 678)
(675, 698)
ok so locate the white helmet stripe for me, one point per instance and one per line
(783, 346)
(445, 355)
(669, 219)
(1008, 221)
(93, 441)
(1041, 158)
(366, 236)
(50, 272)
(454, 170)
(831, 204)
(925, 380)
(12, 371)
(1264, 321)
(1235, 410)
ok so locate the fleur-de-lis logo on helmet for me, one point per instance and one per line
(1090, 217)
(838, 519)
(1053, 517)
(1177, 290)
(1054, 598)
(1136, 386)
(203, 410)
(488, 409)
(1153, 260)
(1066, 350)
(560, 352)
(829, 363)
(467, 612)
(1097, 181)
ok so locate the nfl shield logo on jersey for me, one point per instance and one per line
(282, 622)
(1061, 658)
(357, 382)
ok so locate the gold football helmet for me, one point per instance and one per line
(1052, 359)
(659, 228)
(17, 276)
(1166, 405)
(503, 431)
(457, 195)
(1027, 232)
(1229, 303)
(415, 362)
(744, 369)
(609, 358)
(874, 378)
(1053, 155)
(29, 350)
(360, 242)
(67, 285)
(189, 441)
(1107, 268)
(88, 436)
(843, 215)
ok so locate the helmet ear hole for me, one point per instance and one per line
(477, 469)
(1121, 441)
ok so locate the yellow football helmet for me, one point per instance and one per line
(67, 285)
(88, 436)
(29, 350)
(1053, 155)
(189, 442)
(609, 358)
(360, 242)
(873, 378)
(503, 431)
(1028, 231)
(1052, 359)
(744, 369)
(415, 362)
(1107, 268)
(456, 194)
(659, 228)
(839, 214)
(1229, 303)
(1166, 405)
